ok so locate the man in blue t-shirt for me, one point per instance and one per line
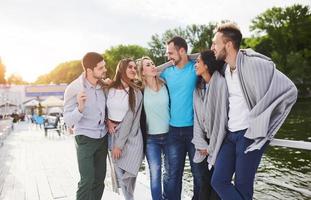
(181, 80)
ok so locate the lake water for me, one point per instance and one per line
(282, 166)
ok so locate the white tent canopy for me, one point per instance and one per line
(8, 104)
(52, 102)
(55, 110)
(32, 103)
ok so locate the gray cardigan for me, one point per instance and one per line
(199, 126)
(213, 124)
(129, 138)
(269, 95)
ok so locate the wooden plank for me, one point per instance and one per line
(43, 186)
(56, 184)
(31, 188)
(8, 188)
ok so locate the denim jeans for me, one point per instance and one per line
(232, 159)
(155, 148)
(178, 145)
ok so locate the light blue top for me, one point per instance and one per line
(156, 106)
(181, 84)
(91, 121)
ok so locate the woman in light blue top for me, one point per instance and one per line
(156, 107)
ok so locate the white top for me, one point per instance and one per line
(117, 104)
(238, 110)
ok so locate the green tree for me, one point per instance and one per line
(16, 79)
(286, 38)
(68, 71)
(64, 73)
(157, 45)
(198, 37)
(113, 55)
(260, 44)
(2, 73)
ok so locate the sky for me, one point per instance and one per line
(37, 35)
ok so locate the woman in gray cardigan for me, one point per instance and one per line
(206, 65)
(124, 104)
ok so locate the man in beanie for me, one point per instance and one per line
(84, 111)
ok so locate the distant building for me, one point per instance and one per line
(45, 90)
(12, 97)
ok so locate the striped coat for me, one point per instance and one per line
(199, 126)
(210, 118)
(129, 138)
(269, 95)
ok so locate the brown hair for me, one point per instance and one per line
(121, 76)
(231, 33)
(90, 60)
(179, 43)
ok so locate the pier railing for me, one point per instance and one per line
(297, 145)
(291, 144)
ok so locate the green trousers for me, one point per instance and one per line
(92, 155)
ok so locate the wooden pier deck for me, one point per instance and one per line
(34, 167)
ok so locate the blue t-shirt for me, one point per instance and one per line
(181, 84)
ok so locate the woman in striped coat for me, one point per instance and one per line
(124, 104)
(206, 65)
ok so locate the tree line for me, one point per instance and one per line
(280, 33)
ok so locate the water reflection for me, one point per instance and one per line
(282, 166)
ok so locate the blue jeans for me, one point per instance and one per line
(155, 148)
(178, 145)
(232, 159)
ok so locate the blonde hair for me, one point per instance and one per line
(140, 63)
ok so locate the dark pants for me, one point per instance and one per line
(91, 154)
(232, 159)
(178, 146)
(206, 190)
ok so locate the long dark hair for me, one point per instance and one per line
(209, 59)
(121, 76)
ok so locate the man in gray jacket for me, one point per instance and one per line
(84, 111)
(260, 98)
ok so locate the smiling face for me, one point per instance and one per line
(219, 47)
(99, 72)
(200, 67)
(173, 54)
(131, 70)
